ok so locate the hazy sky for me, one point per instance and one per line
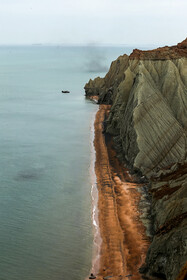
(93, 21)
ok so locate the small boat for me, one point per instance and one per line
(65, 91)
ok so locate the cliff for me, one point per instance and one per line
(147, 92)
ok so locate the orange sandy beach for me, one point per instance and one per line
(124, 242)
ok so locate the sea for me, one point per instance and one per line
(46, 225)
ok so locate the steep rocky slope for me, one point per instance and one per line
(148, 121)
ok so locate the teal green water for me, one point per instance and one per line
(45, 188)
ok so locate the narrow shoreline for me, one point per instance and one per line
(122, 236)
(94, 197)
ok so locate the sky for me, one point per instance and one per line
(127, 22)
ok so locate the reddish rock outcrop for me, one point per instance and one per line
(178, 51)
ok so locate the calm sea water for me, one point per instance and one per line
(45, 189)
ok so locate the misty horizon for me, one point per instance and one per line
(120, 22)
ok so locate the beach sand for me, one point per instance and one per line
(124, 241)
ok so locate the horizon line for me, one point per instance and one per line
(79, 45)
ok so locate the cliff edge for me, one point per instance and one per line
(147, 92)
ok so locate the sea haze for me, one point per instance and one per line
(45, 189)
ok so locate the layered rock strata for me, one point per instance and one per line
(147, 92)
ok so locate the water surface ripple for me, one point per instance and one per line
(45, 188)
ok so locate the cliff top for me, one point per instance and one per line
(177, 51)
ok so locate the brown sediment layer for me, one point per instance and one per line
(181, 170)
(174, 52)
(164, 190)
(169, 225)
(183, 273)
(124, 242)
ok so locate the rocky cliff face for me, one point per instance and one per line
(148, 120)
